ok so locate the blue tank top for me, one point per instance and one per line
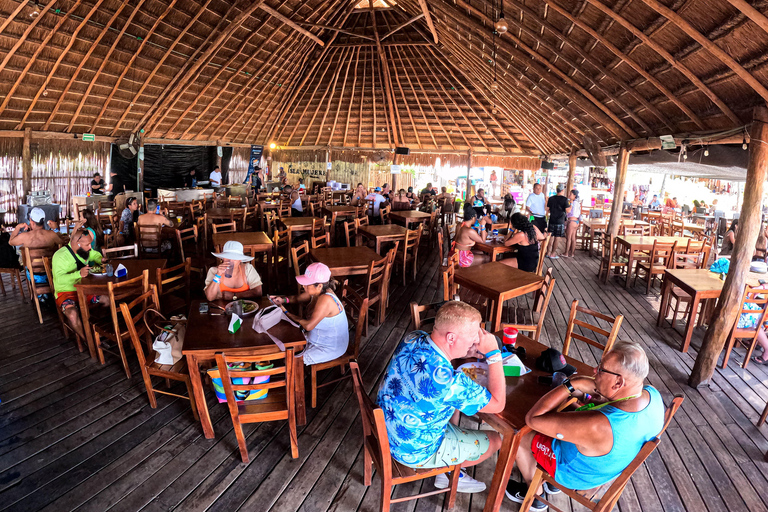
(630, 431)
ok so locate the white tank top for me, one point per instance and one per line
(297, 204)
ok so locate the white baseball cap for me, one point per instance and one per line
(233, 251)
(37, 215)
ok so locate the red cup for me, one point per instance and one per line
(510, 335)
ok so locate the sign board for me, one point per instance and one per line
(667, 142)
(329, 165)
(89, 137)
(219, 151)
(253, 161)
(394, 169)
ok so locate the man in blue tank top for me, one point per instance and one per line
(591, 446)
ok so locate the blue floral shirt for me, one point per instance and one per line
(419, 394)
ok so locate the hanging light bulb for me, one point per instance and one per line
(493, 111)
(35, 11)
(495, 85)
(501, 25)
(706, 152)
(744, 143)
(45, 92)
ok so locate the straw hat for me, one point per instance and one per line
(233, 251)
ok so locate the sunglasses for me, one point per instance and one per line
(600, 369)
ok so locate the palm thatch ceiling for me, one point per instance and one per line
(417, 73)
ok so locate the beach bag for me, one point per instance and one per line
(240, 396)
(267, 318)
(168, 336)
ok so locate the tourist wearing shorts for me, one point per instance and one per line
(421, 395)
(556, 208)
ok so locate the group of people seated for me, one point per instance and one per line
(422, 396)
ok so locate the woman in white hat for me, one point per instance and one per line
(326, 321)
(234, 278)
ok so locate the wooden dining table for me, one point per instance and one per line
(207, 334)
(408, 217)
(134, 267)
(701, 285)
(634, 243)
(295, 224)
(384, 233)
(346, 261)
(591, 227)
(522, 394)
(497, 282)
(493, 248)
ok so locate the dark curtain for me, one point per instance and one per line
(166, 165)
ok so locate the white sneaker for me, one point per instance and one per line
(466, 483)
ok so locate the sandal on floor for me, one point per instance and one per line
(755, 360)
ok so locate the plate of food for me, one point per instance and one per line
(249, 307)
(478, 372)
(97, 270)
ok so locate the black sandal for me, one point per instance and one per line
(755, 360)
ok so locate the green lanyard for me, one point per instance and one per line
(594, 407)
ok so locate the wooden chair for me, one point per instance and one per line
(150, 240)
(525, 320)
(662, 256)
(377, 454)
(33, 264)
(277, 405)
(542, 252)
(125, 252)
(423, 315)
(609, 260)
(65, 327)
(615, 488)
(753, 302)
(228, 227)
(350, 231)
(573, 322)
(284, 210)
(173, 288)
(111, 327)
(410, 251)
(133, 316)
(375, 288)
(321, 241)
(14, 273)
(300, 260)
(384, 212)
(356, 309)
(632, 231)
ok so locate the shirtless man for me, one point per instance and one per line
(153, 219)
(35, 236)
(467, 237)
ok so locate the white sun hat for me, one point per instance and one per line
(232, 251)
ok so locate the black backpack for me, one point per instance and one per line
(8, 256)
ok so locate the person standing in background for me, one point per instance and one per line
(115, 185)
(536, 204)
(215, 177)
(97, 185)
(190, 180)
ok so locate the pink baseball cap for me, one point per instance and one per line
(314, 274)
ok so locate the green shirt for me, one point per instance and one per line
(64, 268)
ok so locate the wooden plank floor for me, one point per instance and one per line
(75, 435)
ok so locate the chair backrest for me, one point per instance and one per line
(542, 251)
(321, 241)
(423, 315)
(124, 252)
(300, 259)
(228, 227)
(363, 221)
(440, 246)
(596, 213)
(318, 226)
(269, 221)
(543, 296)
(256, 379)
(350, 231)
(662, 253)
(634, 230)
(281, 243)
(33, 263)
(573, 322)
(375, 436)
(285, 209)
(356, 308)
(411, 243)
(185, 236)
(173, 279)
(450, 289)
(133, 315)
(148, 237)
(384, 212)
(125, 291)
(753, 301)
(377, 271)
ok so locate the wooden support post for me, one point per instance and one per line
(618, 191)
(26, 165)
(140, 167)
(218, 162)
(571, 172)
(393, 177)
(743, 248)
(469, 168)
(327, 160)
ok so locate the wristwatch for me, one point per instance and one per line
(569, 386)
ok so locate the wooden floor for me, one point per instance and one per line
(75, 435)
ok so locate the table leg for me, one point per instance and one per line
(193, 366)
(496, 318)
(690, 322)
(509, 445)
(630, 261)
(299, 398)
(85, 318)
(665, 291)
(378, 246)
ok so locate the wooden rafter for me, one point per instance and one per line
(428, 17)
(334, 29)
(669, 58)
(743, 6)
(264, 7)
(55, 67)
(415, 96)
(311, 97)
(331, 89)
(13, 15)
(388, 97)
(26, 33)
(341, 95)
(401, 26)
(711, 47)
(351, 98)
(159, 64)
(408, 109)
(85, 58)
(189, 71)
(127, 66)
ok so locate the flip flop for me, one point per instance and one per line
(755, 360)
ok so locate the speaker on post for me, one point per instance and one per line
(402, 151)
(547, 165)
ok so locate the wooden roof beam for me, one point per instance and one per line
(334, 29)
(408, 111)
(668, 57)
(711, 47)
(12, 16)
(418, 102)
(388, 96)
(264, 7)
(341, 96)
(744, 6)
(428, 17)
(401, 26)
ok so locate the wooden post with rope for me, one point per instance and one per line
(571, 172)
(618, 191)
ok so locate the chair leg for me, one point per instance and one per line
(99, 351)
(37, 305)
(192, 402)
(241, 442)
(314, 387)
(531, 495)
(750, 349)
(454, 485)
(368, 462)
(763, 416)
(124, 358)
(21, 288)
(728, 347)
(386, 495)
(150, 390)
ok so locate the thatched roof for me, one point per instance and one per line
(417, 73)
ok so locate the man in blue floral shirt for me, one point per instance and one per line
(421, 395)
